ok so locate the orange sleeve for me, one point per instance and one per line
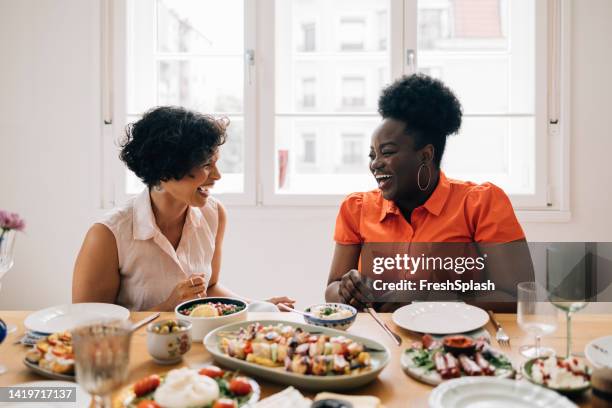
(348, 221)
(492, 215)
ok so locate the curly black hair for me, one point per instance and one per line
(169, 141)
(430, 110)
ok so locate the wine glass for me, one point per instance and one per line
(3, 333)
(570, 279)
(102, 354)
(7, 247)
(535, 315)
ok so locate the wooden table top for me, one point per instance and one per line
(393, 387)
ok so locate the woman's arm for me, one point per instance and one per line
(96, 271)
(345, 259)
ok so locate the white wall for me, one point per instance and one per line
(49, 135)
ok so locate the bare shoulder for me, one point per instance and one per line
(100, 238)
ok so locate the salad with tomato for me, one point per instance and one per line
(208, 387)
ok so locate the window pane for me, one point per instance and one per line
(485, 51)
(183, 52)
(332, 60)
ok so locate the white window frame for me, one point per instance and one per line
(551, 203)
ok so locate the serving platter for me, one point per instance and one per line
(379, 354)
(66, 317)
(527, 368)
(46, 373)
(440, 317)
(478, 392)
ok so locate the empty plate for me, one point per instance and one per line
(66, 317)
(440, 317)
(599, 352)
(479, 392)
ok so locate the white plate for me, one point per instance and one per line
(308, 382)
(440, 317)
(49, 374)
(478, 392)
(595, 355)
(83, 399)
(66, 317)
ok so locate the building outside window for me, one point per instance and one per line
(309, 96)
(353, 152)
(352, 33)
(308, 37)
(353, 91)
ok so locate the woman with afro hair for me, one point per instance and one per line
(416, 203)
(164, 246)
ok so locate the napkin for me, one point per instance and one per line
(287, 398)
(358, 401)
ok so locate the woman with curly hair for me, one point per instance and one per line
(164, 246)
(415, 202)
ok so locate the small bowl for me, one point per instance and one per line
(203, 325)
(168, 348)
(339, 324)
(527, 367)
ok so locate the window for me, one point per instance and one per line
(309, 97)
(302, 111)
(310, 148)
(308, 37)
(353, 149)
(352, 34)
(353, 92)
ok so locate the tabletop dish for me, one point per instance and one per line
(333, 315)
(440, 317)
(209, 313)
(599, 352)
(468, 392)
(83, 399)
(52, 357)
(433, 362)
(66, 317)
(368, 357)
(210, 386)
(168, 340)
(563, 375)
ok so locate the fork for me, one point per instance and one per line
(500, 335)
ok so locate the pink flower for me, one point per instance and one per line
(9, 220)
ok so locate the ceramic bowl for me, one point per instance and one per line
(203, 325)
(339, 324)
(168, 348)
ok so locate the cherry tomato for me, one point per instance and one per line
(148, 404)
(211, 371)
(248, 348)
(224, 403)
(146, 385)
(240, 386)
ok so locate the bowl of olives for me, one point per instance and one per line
(168, 340)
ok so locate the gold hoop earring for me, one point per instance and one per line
(423, 165)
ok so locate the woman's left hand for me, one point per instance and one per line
(287, 301)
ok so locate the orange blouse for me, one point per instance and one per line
(457, 211)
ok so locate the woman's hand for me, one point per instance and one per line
(287, 301)
(353, 291)
(190, 288)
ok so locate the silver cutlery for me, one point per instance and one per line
(144, 321)
(500, 335)
(396, 338)
(601, 349)
(289, 309)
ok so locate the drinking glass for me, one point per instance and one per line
(570, 279)
(535, 315)
(102, 353)
(7, 250)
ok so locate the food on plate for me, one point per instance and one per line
(559, 373)
(330, 312)
(211, 309)
(53, 353)
(169, 326)
(459, 344)
(296, 350)
(434, 361)
(189, 388)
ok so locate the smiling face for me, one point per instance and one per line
(193, 189)
(395, 161)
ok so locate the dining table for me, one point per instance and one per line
(393, 387)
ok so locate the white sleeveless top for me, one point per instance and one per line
(148, 264)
